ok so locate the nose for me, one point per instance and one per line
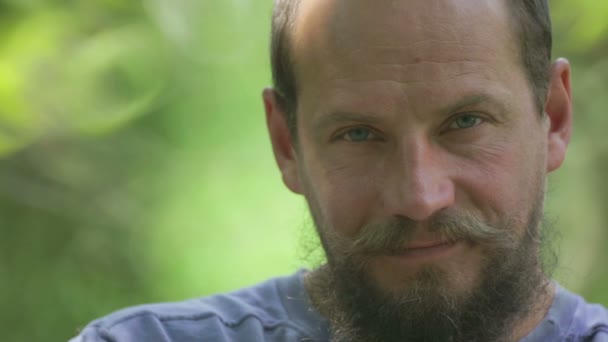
(418, 183)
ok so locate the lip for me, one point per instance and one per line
(425, 251)
(426, 244)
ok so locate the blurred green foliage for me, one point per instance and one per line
(135, 165)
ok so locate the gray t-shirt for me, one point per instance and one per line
(278, 310)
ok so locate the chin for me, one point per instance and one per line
(455, 276)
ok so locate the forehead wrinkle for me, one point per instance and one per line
(420, 61)
(421, 53)
(407, 75)
(397, 52)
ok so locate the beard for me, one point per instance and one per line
(427, 308)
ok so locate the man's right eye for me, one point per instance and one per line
(358, 134)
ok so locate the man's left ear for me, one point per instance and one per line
(558, 109)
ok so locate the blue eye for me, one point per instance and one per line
(466, 121)
(358, 134)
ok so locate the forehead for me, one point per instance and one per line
(347, 22)
(353, 38)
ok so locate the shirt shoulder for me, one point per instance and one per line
(255, 313)
(590, 322)
(585, 321)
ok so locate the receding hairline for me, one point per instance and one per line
(291, 14)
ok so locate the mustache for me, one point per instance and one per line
(392, 236)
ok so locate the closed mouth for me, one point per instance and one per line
(423, 250)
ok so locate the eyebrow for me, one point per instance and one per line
(460, 105)
(473, 100)
(344, 117)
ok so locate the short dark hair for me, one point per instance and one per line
(532, 27)
(281, 58)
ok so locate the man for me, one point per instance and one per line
(421, 134)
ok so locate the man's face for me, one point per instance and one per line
(413, 110)
(414, 116)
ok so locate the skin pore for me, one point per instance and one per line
(423, 161)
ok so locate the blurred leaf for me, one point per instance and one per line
(106, 81)
(55, 81)
(27, 45)
(584, 23)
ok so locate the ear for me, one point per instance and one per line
(282, 143)
(558, 109)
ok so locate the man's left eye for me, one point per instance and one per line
(465, 121)
(359, 134)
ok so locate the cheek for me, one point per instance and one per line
(503, 181)
(344, 196)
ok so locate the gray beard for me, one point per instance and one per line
(512, 280)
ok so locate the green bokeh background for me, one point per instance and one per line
(135, 165)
